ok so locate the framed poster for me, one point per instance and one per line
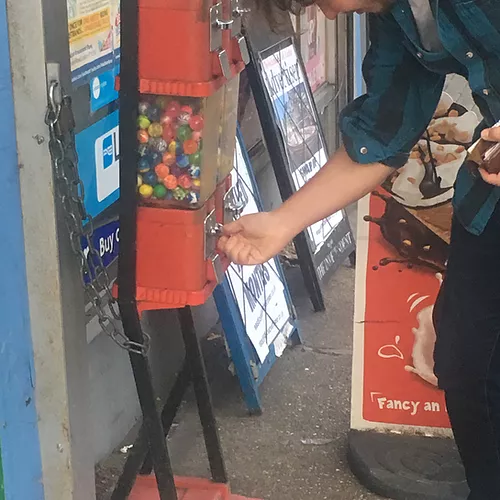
(253, 301)
(298, 151)
(403, 233)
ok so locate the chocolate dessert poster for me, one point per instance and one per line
(403, 237)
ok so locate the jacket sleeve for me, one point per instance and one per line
(402, 95)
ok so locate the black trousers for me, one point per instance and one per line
(467, 353)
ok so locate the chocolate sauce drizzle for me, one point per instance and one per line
(415, 243)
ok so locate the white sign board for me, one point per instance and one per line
(258, 290)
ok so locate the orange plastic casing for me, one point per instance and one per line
(174, 48)
(172, 269)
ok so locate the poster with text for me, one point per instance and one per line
(306, 152)
(313, 45)
(259, 291)
(403, 237)
(91, 38)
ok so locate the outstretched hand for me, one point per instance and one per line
(492, 135)
(254, 239)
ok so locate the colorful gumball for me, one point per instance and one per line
(168, 133)
(196, 136)
(142, 150)
(190, 147)
(195, 159)
(161, 100)
(142, 136)
(179, 193)
(154, 113)
(196, 184)
(184, 181)
(194, 171)
(196, 123)
(175, 170)
(143, 122)
(144, 165)
(187, 109)
(170, 182)
(144, 107)
(139, 181)
(169, 159)
(166, 119)
(158, 144)
(184, 133)
(155, 157)
(155, 129)
(159, 191)
(193, 197)
(183, 118)
(182, 161)
(173, 109)
(162, 170)
(172, 147)
(179, 150)
(146, 191)
(150, 178)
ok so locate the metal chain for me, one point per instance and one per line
(69, 187)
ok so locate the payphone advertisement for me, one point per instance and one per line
(99, 163)
(91, 34)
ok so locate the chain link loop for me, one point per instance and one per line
(70, 189)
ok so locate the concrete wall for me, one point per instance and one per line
(114, 408)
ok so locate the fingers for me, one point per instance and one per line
(493, 179)
(233, 228)
(491, 134)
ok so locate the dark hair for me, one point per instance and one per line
(292, 6)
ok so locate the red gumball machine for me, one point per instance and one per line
(180, 66)
(186, 130)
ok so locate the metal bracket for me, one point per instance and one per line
(54, 75)
(218, 269)
(212, 230)
(215, 31)
(232, 205)
(242, 44)
(237, 13)
(224, 64)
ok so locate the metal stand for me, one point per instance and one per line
(146, 456)
(152, 438)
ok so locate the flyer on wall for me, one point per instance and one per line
(91, 38)
(259, 291)
(306, 151)
(403, 237)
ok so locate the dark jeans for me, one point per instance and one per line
(467, 354)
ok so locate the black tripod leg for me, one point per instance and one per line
(170, 409)
(139, 456)
(151, 418)
(203, 396)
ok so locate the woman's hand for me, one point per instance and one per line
(492, 135)
(254, 239)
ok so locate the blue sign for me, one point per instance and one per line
(102, 90)
(85, 73)
(98, 150)
(105, 240)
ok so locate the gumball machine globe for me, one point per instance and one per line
(180, 159)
